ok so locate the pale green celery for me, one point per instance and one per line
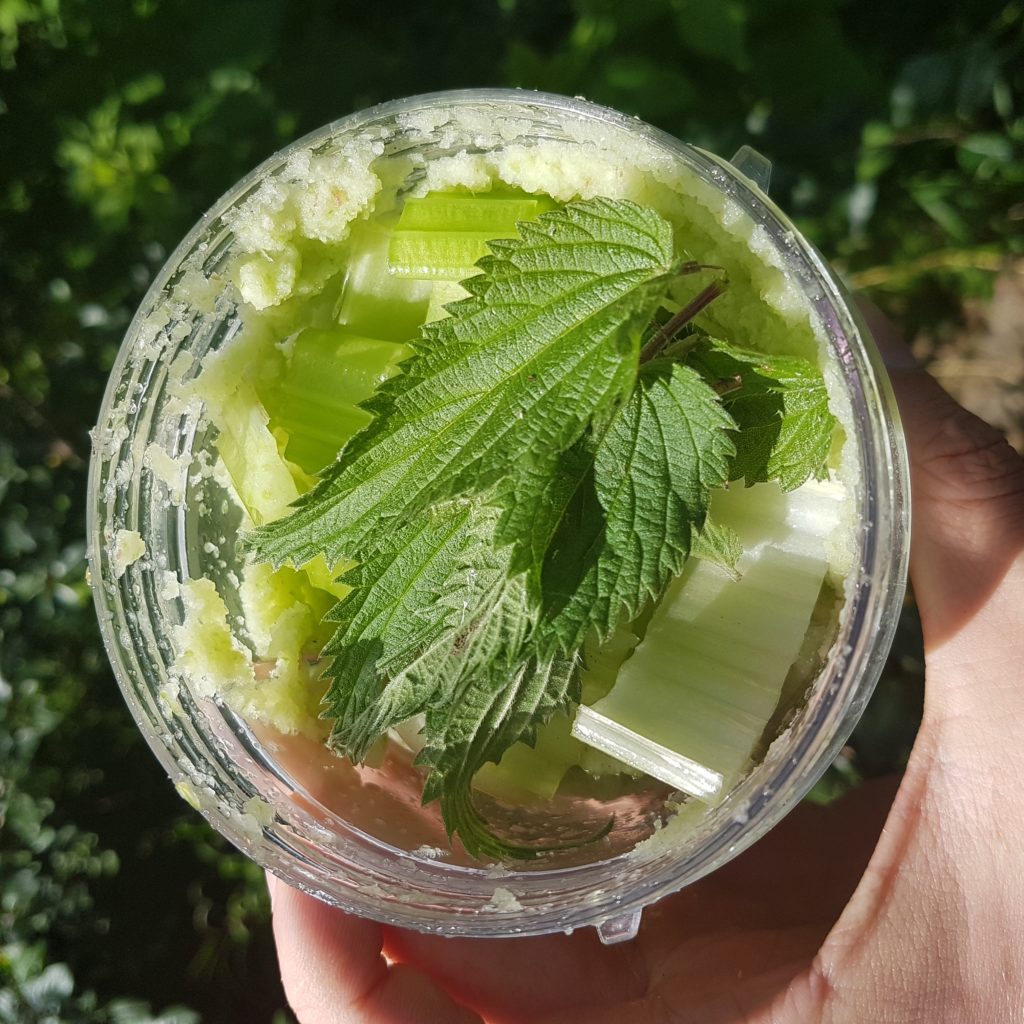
(441, 236)
(526, 772)
(375, 302)
(316, 401)
(602, 662)
(208, 652)
(249, 452)
(691, 705)
(283, 612)
(262, 479)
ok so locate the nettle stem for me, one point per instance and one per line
(696, 305)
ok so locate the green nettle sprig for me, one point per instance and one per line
(538, 472)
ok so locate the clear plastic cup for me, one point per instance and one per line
(358, 837)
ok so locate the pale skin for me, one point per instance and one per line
(901, 903)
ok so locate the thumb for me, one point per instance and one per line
(967, 551)
(938, 914)
(333, 970)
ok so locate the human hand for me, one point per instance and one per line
(811, 924)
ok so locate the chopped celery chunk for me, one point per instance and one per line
(317, 399)
(438, 255)
(374, 301)
(455, 212)
(692, 703)
(441, 236)
(283, 610)
(326, 578)
(249, 452)
(532, 772)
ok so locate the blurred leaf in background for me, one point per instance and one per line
(897, 137)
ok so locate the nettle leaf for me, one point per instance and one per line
(394, 613)
(493, 622)
(719, 545)
(780, 404)
(482, 691)
(494, 710)
(535, 502)
(548, 337)
(633, 517)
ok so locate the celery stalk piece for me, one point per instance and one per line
(249, 453)
(692, 703)
(441, 236)
(262, 480)
(327, 578)
(374, 301)
(317, 399)
(526, 772)
(623, 744)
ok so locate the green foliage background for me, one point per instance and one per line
(897, 136)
